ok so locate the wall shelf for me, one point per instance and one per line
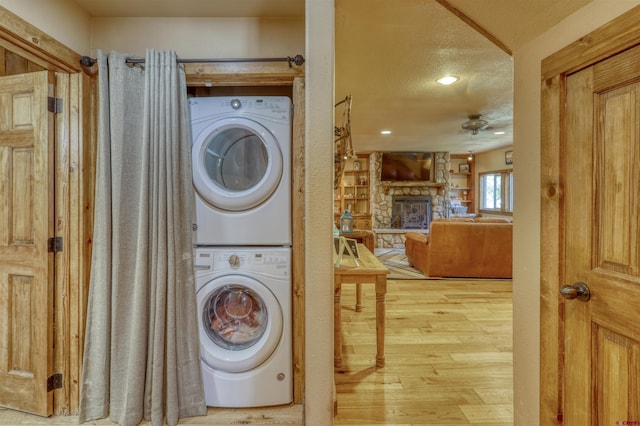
(354, 193)
(461, 184)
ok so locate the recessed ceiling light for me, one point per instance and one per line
(385, 132)
(447, 80)
(498, 133)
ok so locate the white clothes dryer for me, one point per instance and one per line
(241, 162)
(245, 316)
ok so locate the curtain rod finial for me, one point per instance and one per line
(298, 60)
(87, 61)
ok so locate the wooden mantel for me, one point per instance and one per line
(409, 184)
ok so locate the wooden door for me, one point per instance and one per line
(26, 223)
(600, 168)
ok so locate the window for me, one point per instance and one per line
(496, 192)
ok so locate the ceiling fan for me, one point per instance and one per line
(474, 124)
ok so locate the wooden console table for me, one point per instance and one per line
(370, 271)
(368, 239)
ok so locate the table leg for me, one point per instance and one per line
(358, 297)
(337, 324)
(381, 292)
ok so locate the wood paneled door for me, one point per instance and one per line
(602, 343)
(595, 197)
(26, 223)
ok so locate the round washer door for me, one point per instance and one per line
(237, 164)
(240, 323)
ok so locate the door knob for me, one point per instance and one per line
(577, 290)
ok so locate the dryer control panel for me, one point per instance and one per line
(267, 261)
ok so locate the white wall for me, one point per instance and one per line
(526, 276)
(63, 20)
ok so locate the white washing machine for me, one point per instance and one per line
(241, 161)
(244, 316)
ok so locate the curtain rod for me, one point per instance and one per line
(87, 61)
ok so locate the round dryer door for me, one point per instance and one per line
(237, 164)
(240, 323)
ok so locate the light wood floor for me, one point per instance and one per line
(448, 355)
(285, 415)
(448, 361)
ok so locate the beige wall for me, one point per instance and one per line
(61, 19)
(492, 160)
(526, 267)
(202, 37)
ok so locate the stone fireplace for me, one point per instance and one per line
(410, 211)
(390, 224)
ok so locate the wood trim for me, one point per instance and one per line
(81, 206)
(551, 305)
(242, 74)
(608, 40)
(63, 258)
(473, 24)
(613, 37)
(298, 210)
(28, 41)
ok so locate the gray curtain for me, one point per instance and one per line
(141, 356)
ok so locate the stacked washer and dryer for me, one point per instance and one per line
(241, 161)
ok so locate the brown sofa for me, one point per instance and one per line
(464, 248)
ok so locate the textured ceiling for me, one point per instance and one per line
(515, 22)
(389, 53)
(388, 60)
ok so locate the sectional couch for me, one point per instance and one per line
(463, 247)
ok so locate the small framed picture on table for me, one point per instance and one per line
(345, 247)
(351, 247)
(463, 168)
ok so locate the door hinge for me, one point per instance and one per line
(54, 244)
(54, 382)
(54, 105)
